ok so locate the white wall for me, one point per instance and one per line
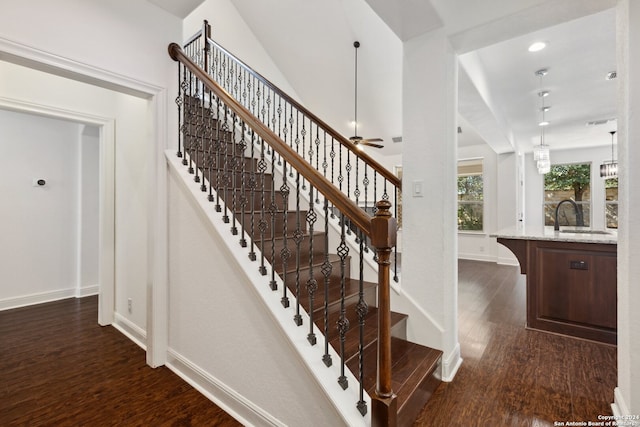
(131, 115)
(230, 30)
(120, 45)
(429, 270)
(221, 334)
(38, 254)
(128, 38)
(627, 395)
(88, 226)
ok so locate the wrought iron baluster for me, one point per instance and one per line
(343, 321)
(326, 269)
(312, 283)
(348, 169)
(285, 253)
(333, 157)
(219, 141)
(298, 237)
(179, 102)
(191, 126)
(253, 183)
(362, 309)
(227, 168)
(199, 136)
(365, 184)
(211, 147)
(263, 225)
(273, 210)
(243, 185)
(303, 133)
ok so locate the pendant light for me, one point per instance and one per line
(609, 168)
(541, 153)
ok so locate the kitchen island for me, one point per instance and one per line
(571, 279)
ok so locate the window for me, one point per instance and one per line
(470, 195)
(569, 181)
(611, 202)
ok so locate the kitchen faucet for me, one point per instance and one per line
(579, 219)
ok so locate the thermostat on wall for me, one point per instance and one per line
(39, 182)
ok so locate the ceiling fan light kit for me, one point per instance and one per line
(359, 141)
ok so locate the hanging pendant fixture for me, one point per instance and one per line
(541, 152)
(609, 168)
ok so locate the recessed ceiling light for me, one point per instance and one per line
(537, 46)
(543, 94)
(543, 123)
(611, 75)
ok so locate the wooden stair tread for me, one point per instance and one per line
(412, 380)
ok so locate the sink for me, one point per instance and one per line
(585, 231)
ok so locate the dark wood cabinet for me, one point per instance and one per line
(571, 287)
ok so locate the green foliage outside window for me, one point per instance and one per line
(611, 202)
(569, 181)
(470, 202)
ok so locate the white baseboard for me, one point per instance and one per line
(130, 330)
(619, 406)
(39, 298)
(451, 364)
(236, 405)
(508, 261)
(49, 296)
(87, 291)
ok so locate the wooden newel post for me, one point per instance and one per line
(383, 237)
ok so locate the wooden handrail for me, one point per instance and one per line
(345, 205)
(388, 175)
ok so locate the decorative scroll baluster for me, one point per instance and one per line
(263, 224)
(200, 131)
(343, 322)
(273, 210)
(236, 160)
(219, 159)
(243, 188)
(365, 184)
(253, 183)
(227, 168)
(362, 309)
(312, 283)
(285, 253)
(179, 102)
(211, 147)
(326, 269)
(298, 237)
(190, 126)
(348, 169)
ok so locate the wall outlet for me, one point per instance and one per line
(130, 305)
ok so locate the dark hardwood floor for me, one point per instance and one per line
(512, 376)
(59, 368)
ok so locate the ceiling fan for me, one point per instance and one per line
(358, 140)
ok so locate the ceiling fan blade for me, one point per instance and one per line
(372, 140)
(370, 144)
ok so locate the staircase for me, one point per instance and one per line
(262, 196)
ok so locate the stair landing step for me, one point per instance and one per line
(413, 375)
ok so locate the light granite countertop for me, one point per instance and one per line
(566, 234)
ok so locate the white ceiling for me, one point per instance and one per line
(312, 43)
